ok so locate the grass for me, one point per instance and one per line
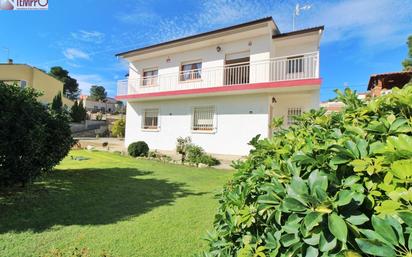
(111, 204)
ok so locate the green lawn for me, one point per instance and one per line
(114, 205)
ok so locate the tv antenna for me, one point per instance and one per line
(297, 11)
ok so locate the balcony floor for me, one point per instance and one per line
(227, 90)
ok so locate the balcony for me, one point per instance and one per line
(288, 68)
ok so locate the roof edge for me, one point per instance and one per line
(241, 25)
(299, 32)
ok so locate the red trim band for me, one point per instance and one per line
(278, 84)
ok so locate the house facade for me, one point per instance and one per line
(107, 106)
(28, 76)
(221, 87)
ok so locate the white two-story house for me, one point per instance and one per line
(221, 87)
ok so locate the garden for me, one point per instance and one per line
(104, 204)
(329, 185)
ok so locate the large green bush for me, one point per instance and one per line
(331, 185)
(33, 139)
(138, 149)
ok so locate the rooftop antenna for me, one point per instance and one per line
(296, 12)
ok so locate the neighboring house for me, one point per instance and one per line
(383, 83)
(221, 87)
(107, 106)
(28, 76)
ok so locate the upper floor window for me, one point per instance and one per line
(150, 77)
(191, 71)
(203, 119)
(292, 112)
(150, 119)
(295, 64)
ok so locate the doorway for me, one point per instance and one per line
(237, 68)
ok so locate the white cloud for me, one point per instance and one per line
(73, 53)
(86, 81)
(371, 23)
(88, 36)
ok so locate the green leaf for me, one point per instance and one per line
(312, 219)
(388, 207)
(357, 219)
(375, 247)
(402, 169)
(384, 229)
(289, 239)
(312, 252)
(291, 204)
(337, 227)
(406, 216)
(344, 197)
(317, 180)
(326, 243)
(350, 181)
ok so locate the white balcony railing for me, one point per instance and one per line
(271, 70)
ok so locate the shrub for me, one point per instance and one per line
(138, 149)
(330, 185)
(33, 138)
(182, 146)
(119, 127)
(196, 155)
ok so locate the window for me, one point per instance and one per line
(150, 77)
(151, 119)
(295, 64)
(23, 83)
(203, 118)
(292, 112)
(191, 71)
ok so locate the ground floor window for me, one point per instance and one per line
(150, 119)
(292, 112)
(203, 118)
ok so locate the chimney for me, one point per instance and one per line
(10, 61)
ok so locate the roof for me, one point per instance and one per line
(299, 32)
(246, 24)
(390, 79)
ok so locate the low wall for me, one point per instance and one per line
(88, 124)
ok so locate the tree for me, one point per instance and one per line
(98, 93)
(407, 63)
(119, 127)
(78, 112)
(57, 104)
(71, 87)
(33, 138)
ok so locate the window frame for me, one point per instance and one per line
(181, 71)
(290, 69)
(213, 128)
(142, 80)
(143, 122)
(291, 112)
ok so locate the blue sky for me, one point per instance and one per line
(361, 37)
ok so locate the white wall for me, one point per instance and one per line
(239, 119)
(236, 126)
(305, 100)
(211, 59)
